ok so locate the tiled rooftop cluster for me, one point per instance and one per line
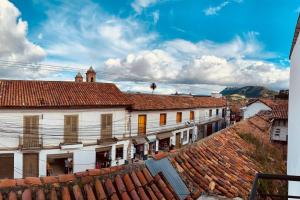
(163, 102)
(109, 183)
(280, 112)
(221, 164)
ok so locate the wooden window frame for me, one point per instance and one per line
(71, 133)
(7, 167)
(192, 115)
(210, 113)
(178, 117)
(106, 125)
(163, 119)
(118, 147)
(142, 129)
(38, 163)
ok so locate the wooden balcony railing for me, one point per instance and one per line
(30, 142)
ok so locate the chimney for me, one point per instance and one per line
(91, 75)
(78, 78)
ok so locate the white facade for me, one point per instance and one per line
(293, 164)
(254, 108)
(279, 131)
(51, 132)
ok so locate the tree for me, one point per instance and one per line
(153, 87)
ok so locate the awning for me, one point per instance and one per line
(59, 156)
(151, 138)
(165, 135)
(138, 141)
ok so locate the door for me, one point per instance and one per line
(30, 165)
(209, 129)
(6, 166)
(106, 126)
(142, 124)
(178, 142)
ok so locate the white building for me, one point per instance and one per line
(160, 122)
(47, 125)
(279, 130)
(293, 164)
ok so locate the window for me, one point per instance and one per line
(223, 112)
(192, 115)
(31, 131)
(8, 170)
(106, 126)
(217, 112)
(277, 130)
(142, 124)
(179, 117)
(119, 152)
(184, 136)
(71, 129)
(163, 119)
(210, 112)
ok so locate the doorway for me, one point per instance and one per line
(30, 165)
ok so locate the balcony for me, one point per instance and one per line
(272, 186)
(30, 142)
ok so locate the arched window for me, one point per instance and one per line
(92, 79)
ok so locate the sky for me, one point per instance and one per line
(188, 46)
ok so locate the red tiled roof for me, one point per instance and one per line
(280, 112)
(121, 182)
(57, 94)
(170, 102)
(270, 102)
(220, 164)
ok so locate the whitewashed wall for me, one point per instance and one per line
(293, 164)
(52, 125)
(282, 135)
(254, 108)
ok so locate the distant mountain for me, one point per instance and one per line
(249, 91)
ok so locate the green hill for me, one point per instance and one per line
(249, 91)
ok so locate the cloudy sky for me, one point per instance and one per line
(195, 46)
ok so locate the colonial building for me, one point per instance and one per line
(163, 122)
(257, 105)
(54, 127)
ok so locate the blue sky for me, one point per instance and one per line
(194, 46)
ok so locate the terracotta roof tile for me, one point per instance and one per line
(32, 181)
(89, 192)
(26, 194)
(77, 192)
(99, 190)
(110, 187)
(141, 177)
(40, 195)
(66, 178)
(54, 94)
(169, 102)
(12, 195)
(4, 183)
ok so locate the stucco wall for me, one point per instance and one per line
(254, 108)
(293, 165)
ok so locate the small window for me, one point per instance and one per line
(119, 152)
(184, 136)
(106, 125)
(223, 112)
(277, 130)
(179, 117)
(277, 134)
(217, 112)
(142, 121)
(210, 112)
(163, 119)
(192, 115)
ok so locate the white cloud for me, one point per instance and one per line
(139, 5)
(234, 63)
(214, 10)
(14, 43)
(155, 15)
